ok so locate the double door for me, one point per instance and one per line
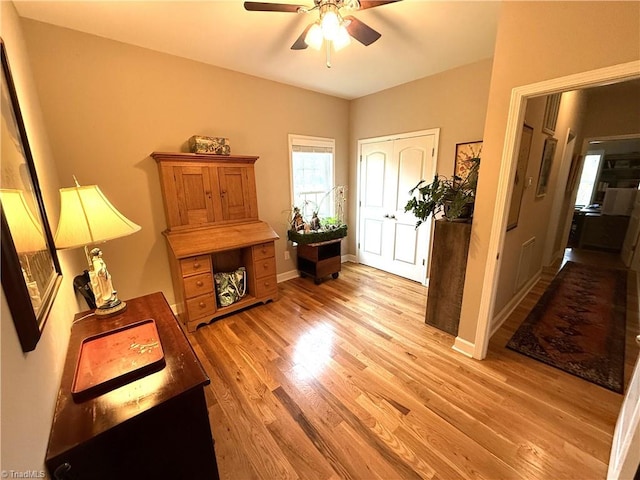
(387, 235)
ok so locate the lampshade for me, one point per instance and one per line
(87, 217)
(25, 229)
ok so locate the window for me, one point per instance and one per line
(588, 179)
(312, 161)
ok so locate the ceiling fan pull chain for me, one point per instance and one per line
(328, 44)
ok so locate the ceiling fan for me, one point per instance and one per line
(332, 24)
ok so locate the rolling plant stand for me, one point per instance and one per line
(319, 260)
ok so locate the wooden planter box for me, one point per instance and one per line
(446, 278)
(302, 238)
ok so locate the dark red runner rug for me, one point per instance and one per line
(578, 325)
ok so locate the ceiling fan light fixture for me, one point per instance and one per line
(342, 38)
(314, 37)
(330, 22)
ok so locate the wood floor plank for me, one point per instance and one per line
(345, 380)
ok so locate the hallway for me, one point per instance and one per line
(592, 257)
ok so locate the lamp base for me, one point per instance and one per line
(111, 310)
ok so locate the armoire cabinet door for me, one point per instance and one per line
(237, 193)
(197, 196)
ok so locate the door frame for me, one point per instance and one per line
(556, 222)
(519, 95)
(398, 136)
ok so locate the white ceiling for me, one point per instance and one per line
(419, 38)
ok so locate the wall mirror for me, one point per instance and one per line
(30, 271)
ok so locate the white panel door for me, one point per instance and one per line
(388, 239)
(376, 201)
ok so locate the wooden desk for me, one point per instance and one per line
(211, 208)
(153, 427)
(603, 232)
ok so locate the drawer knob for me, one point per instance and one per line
(196, 265)
(199, 283)
(264, 250)
(266, 265)
(266, 284)
(202, 304)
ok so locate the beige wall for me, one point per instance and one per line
(108, 105)
(29, 382)
(537, 41)
(454, 101)
(613, 110)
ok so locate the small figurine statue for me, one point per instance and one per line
(103, 290)
(315, 222)
(297, 223)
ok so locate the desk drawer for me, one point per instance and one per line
(265, 268)
(266, 287)
(198, 285)
(264, 250)
(202, 306)
(193, 265)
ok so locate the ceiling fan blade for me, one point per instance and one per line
(271, 7)
(361, 31)
(300, 44)
(366, 4)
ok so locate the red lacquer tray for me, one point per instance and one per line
(114, 358)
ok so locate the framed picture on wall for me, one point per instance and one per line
(519, 180)
(465, 152)
(576, 168)
(31, 273)
(552, 108)
(545, 166)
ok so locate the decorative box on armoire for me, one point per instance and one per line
(211, 208)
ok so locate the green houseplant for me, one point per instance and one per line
(453, 196)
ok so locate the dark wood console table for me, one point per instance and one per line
(154, 427)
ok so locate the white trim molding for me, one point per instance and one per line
(290, 275)
(513, 303)
(464, 347)
(519, 95)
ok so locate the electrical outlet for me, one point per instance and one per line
(286, 255)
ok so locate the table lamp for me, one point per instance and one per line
(26, 234)
(88, 218)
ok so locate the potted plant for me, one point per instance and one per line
(304, 231)
(453, 196)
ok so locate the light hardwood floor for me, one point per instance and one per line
(344, 380)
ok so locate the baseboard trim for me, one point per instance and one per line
(508, 309)
(464, 347)
(348, 258)
(291, 274)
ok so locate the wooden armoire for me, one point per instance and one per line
(211, 209)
